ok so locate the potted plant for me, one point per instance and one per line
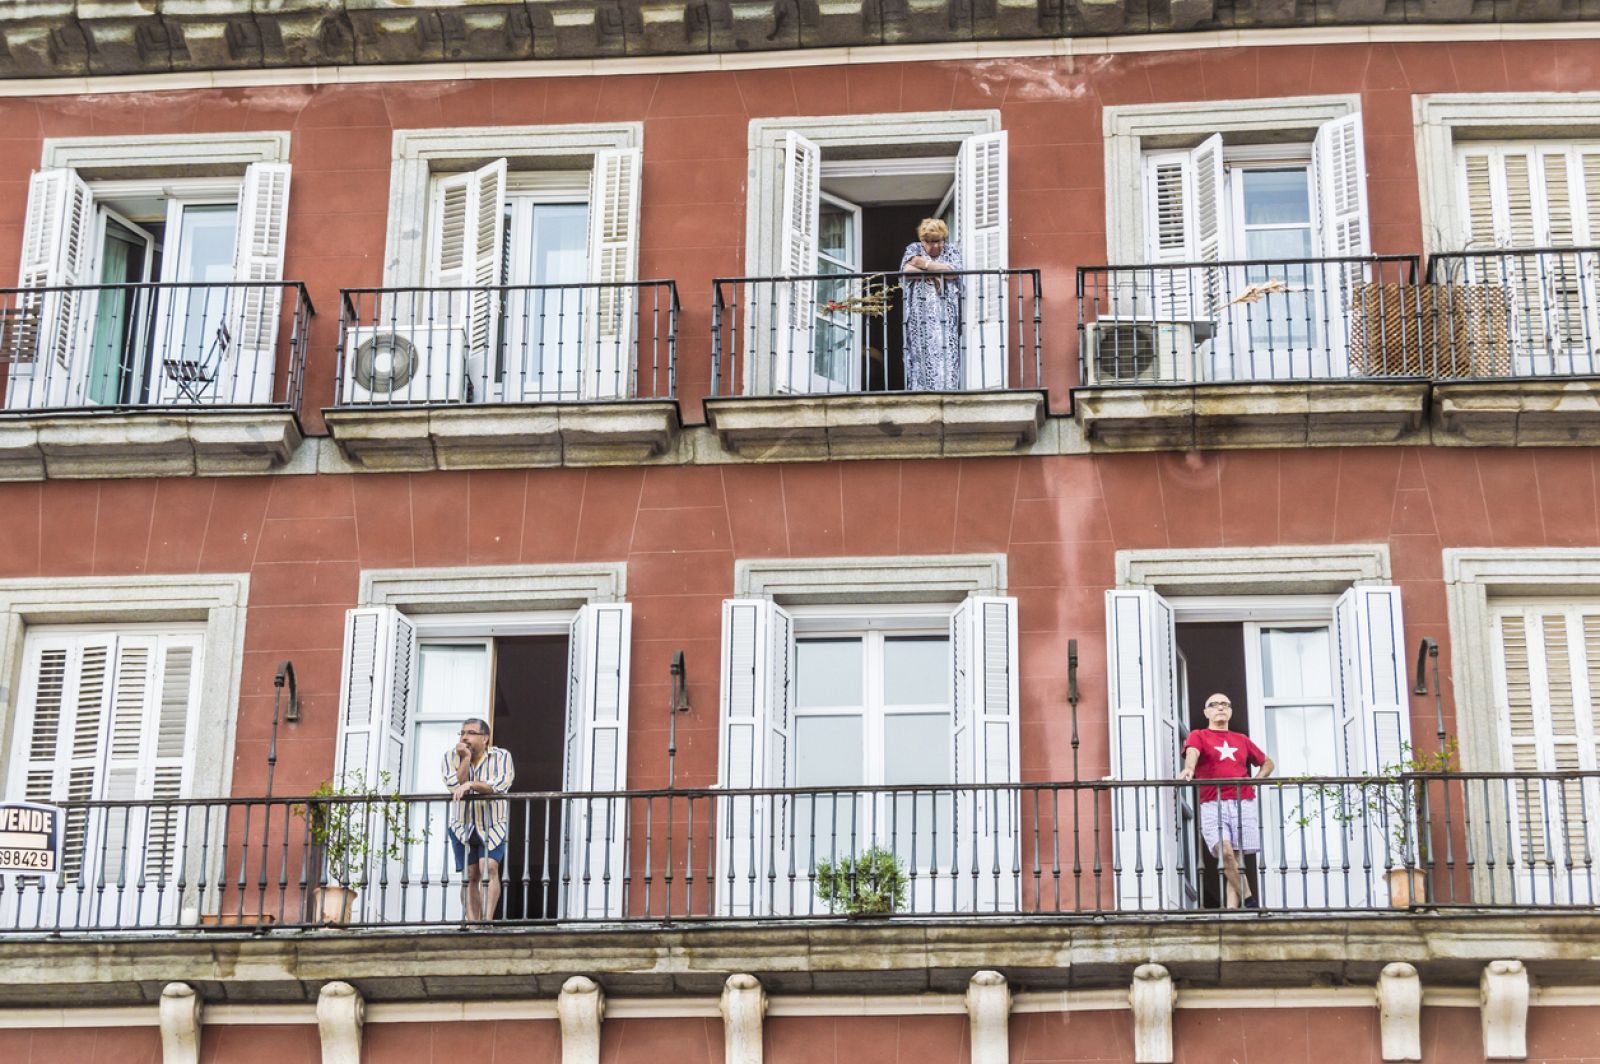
(1395, 801)
(353, 825)
(871, 883)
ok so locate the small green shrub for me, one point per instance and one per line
(872, 882)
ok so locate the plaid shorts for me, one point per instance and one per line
(1236, 820)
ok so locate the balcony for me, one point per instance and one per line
(834, 366)
(1283, 352)
(1535, 382)
(151, 379)
(506, 376)
(1473, 843)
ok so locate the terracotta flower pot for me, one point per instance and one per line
(1407, 887)
(334, 904)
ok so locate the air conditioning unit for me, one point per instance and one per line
(404, 365)
(1120, 351)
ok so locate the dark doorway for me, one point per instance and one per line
(1213, 656)
(530, 708)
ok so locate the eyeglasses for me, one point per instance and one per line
(465, 732)
(1219, 705)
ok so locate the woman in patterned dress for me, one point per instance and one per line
(933, 311)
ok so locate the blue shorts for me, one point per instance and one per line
(473, 850)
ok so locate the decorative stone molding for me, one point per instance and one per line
(341, 1013)
(181, 1012)
(1503, 992)
(114, 155)
(744, 1004)
(581, 1008)
(179, 443)
(1323, 413)
(1400, 1012)
(831, 581)
(390, 440)
(802, 428)
(989, 1012)
(478, 588)
(1254, 570)
(1520, 413)
(1152, 997)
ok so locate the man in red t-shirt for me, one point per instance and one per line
(1229, 821)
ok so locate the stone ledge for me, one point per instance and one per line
(893, 425)
(824, 957)
(407, 439)
(156, 443)
(1262, 414)
(1517, 413)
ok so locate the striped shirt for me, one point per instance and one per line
(489, 817)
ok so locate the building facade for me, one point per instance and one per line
(374, 367)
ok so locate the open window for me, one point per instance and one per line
(891, 723)
(834, 321)
(194, 314)
(554, 689)
(1317, 681)
(1247, 245)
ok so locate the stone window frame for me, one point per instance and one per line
(494, 588)
(218, 600)
(1443, 118)
(1248, 571)
(937, 578)
(1131, 129)
(148, 154)
(1473, 577)
(418, 153)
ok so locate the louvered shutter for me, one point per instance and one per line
(1339, 183)
(468, 252)
(1146, 726)
(597, 758)
(757, 702)
(608, 368)
(793, 301)
(1166, 293)
(983, 230)
(57, 251)
(377, 693)
(987, 861)
(246, 371)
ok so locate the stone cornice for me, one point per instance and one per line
(73, 38)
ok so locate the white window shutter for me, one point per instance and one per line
(468, 242)
(793, 301)
(1376, 714)
(1339, 178)
(246, 372)
(757, 701)
(1147, 726)
(983, 646)
(1480, 223)
(375, 698)
(983, 231)
(597, 761)
(1209, 232)
(1169, 231)
(608, 370)
(57, 250)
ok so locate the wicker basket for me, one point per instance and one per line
(1430, 330)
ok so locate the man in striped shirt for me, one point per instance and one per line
(478, 825)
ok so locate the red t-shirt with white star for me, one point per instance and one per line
(1224, 755)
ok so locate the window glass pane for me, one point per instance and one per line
(1295, 663)
(834, 237)
(916, 671)
(205, 254)
(1277, 243)
(827, 751)
(916, 748)
(1276, 197)
(1302, 740)
(828, 672)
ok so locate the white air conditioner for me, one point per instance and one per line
(1123, 351)
(404, 365)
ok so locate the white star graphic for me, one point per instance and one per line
(1226, 752)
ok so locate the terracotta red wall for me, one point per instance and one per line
(696, 128)
(488, 1042)
(105, 1045)
(857, 1039)
(1060, 521)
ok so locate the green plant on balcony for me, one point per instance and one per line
(354, 827)
(870, 883)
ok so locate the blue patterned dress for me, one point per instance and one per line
(933, 324)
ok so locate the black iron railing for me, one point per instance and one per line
(1487, 841)
(154, 345)
(1250, 320)
(971, 330)
(508, 344)
(1542, 306)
